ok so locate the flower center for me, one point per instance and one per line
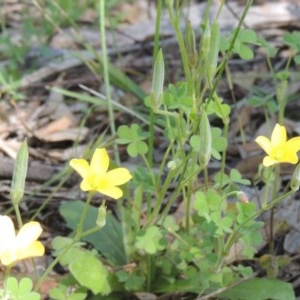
(97, 183)
(94, 182)
(278, 153)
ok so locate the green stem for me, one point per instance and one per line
(106, 76)
(274, 194)
(83, 215)
(160, 198)
(175, 20)
(149, 273)
(232, 236)
(230, 50)
(54, 262)
(18, 215)
(266, 193)
(223, 162)
(79, 235)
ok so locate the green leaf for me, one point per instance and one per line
(68, 289)
(124, 134)
(219, 142)
(25, 286)
(201, 206)
(108, 240)
(150, 240)
(271, 51)
(245, 52)
(260, 289)
(60, 243)
(292, 39)
(21, 290)
(12, 285)
(235, 176)
(248, 36)
(91, 273)
(225, 179)
(133, 136)
(297, 59)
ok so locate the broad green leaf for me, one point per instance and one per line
(60, 243)
(260, 289)
(91, 273)
(108, 240)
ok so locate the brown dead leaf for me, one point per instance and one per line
(56, 126)
(61, 130)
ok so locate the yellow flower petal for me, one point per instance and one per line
(118, 176)
(264, 143)
(22, 245)
(28, 234)
(290, 156)
(294, 144)
(97, 178)
(112, 191)
(81, 166)
(34, 249)
(8, 257)
(279, 149)
(7, 231)
(100, 162)
(85, 185)
(278, 136)
(269, 161)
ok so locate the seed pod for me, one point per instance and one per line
(19, 175)
(157, 81)
(191, 45)
(205, 44)
(205, 140)
(213, 51)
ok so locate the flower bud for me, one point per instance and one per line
(19, 175)
(242, 197)
(101, 218)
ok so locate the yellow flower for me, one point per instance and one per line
(96, 178)
(23, 245)
(279, 149)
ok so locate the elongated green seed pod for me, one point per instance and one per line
(205, 140)
(213, 50)
(191, 45)
(157, 81)
(205, 45)
(19, 175)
